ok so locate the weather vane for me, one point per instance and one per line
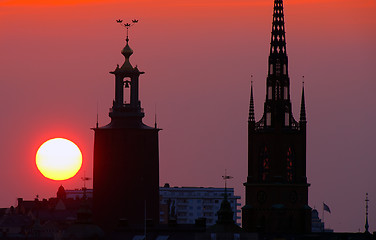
(225, 178)
(127, 25)
(84, 179)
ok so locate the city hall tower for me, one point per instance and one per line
(276, 187)
(126, 157)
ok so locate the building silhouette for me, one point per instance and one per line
(126, 157)
(186, 204)
(276, 187)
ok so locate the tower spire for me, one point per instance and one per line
(302, 106)
(127, 76)
(277, 107)
(251, 117)
(278, 40)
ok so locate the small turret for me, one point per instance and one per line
(225, 213)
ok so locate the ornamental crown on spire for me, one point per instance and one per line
(127, 51)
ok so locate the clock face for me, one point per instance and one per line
(261, 196)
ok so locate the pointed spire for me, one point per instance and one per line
(302, 107)
(278, 40)
(366, 226)
(251, 117)
(225, 213)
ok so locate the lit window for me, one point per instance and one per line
(265, 164)
(289, 165)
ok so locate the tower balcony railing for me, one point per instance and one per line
(260, 125)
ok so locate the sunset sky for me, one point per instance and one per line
(198, 56)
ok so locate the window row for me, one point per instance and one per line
(265, 165)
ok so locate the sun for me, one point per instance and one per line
(58, 159)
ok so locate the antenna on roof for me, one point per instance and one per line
(155, 116)
(84, 179)
(97, 116)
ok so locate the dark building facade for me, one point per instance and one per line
(126, 158)
(276, 187)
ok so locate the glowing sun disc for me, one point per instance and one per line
(58, 159)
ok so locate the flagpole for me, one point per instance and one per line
(323, 226)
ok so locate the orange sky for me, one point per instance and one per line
(198, 56)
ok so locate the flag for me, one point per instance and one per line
(326, 207)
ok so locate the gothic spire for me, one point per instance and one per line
(366, 226)
(277, 106)
(251, 106)
(278, 41)
(302, 107)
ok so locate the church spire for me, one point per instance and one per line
(302, 107)
(251, 117)
(278, 41)
(278, 54)
(277, 107)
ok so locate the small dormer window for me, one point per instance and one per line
(268, 119)
(287, 119)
